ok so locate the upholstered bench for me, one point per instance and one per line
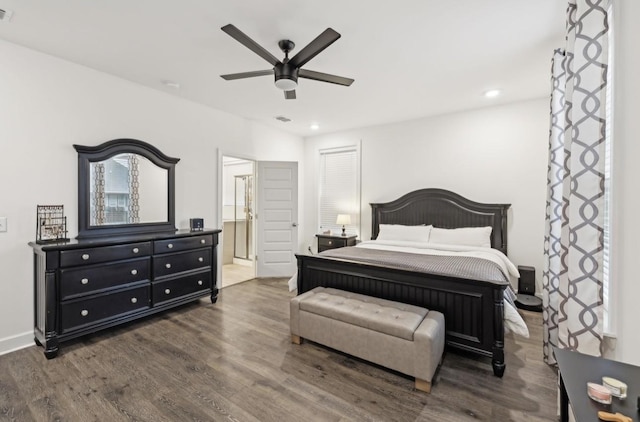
(402, 337)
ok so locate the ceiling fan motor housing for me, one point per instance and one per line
(286, 76)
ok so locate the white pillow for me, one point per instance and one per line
(465, 236)
(401, 232)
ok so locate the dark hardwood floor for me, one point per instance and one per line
(233, 361)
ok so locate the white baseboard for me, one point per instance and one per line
(17, 342)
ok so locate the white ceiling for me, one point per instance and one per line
(409, 58)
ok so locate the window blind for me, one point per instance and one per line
(339, 189)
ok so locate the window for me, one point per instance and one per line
(339, 188)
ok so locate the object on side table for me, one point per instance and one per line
(51, 224)
(616, 387)
(196, 224)
(613, 417)
(599, 393)
(527, 299)
(343, 219)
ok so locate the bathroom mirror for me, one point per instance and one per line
(125, 186)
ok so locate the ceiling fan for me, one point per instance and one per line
(288, 70)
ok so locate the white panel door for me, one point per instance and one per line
(277, 218)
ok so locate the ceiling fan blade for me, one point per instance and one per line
(243, 39)
(243, 75)
(322, 41)
(324, 77)
(290, 95)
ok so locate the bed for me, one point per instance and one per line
(474, 308)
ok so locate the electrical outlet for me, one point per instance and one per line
(3, 224)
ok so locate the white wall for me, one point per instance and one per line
(47, 104)
(626, 173)
(495, 154)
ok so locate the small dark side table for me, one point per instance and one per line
(576, 369)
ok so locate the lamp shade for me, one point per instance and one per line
(343, 219)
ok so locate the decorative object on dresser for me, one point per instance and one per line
(328, 241)
(128, 260)
(343, 219)
(474, 309)
(527, 298)
(196, 224)
(51, 224)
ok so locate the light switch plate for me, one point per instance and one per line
(3, 224)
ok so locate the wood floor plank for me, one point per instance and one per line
(234, 361)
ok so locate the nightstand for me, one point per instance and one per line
(329, 241)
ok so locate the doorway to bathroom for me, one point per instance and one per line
(238, 231)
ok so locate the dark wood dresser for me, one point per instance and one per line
(83, 286)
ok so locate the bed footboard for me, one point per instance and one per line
(473, 310)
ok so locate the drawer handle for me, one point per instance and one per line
(170, 246)
(84, 312)
(167, 291)
(200, 259)
(134, 272)
(167, 265)
(136, 250)
(203, 241)
(199, 282)
(85, 256)
(134, 300)
(84, 281)
(331, 242)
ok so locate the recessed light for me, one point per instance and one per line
(170, 84)
(314, 126)
(492, 93)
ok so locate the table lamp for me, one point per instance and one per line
(343, 219)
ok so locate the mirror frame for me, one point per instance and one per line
(91, 154)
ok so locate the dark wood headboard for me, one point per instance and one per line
(443, 209)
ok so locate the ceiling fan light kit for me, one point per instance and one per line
(287, 71)
(286, 77)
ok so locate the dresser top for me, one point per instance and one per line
(115, 240)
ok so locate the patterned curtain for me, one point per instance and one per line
(134, 191)
(574, 236)
(98, 216)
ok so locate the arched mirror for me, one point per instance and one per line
(125, 186)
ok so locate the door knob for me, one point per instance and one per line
(294, 224)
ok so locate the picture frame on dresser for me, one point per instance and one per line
(120, 269)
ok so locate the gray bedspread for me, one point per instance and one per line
(466, 267)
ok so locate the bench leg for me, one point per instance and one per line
(423, 385)
(296, 339)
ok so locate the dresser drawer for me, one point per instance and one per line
(91, 278)
(74, 257)
(327, 243)
(77, 314)
(181, 244)
(169, 290)
(168, 264)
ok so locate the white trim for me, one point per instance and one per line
(17, 342)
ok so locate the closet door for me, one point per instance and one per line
(277, 219)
